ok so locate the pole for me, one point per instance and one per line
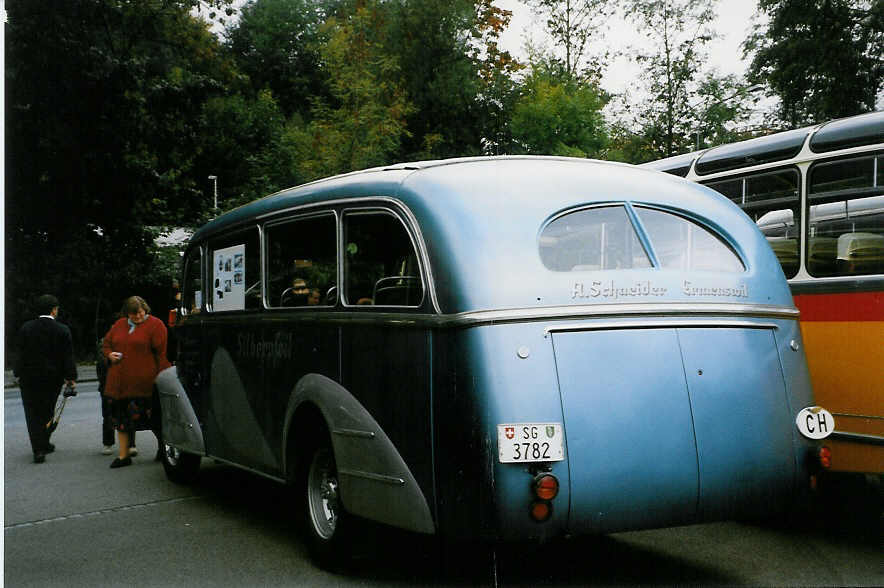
(215, 181)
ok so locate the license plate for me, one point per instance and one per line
(530, 442)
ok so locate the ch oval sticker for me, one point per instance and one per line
(815, 422)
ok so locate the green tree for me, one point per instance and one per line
(682, 99)
(558, 115)
(103, 127)
(276, 44)
(572, 24)
(432, 42)
(367, 122)
(242, 145)
(822, 58)
(498, 69)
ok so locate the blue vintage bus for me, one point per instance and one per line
(494, 349)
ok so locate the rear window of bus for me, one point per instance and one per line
(604, 238)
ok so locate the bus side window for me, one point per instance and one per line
(380, 266)
(235, 271)
(846, 220)
(771, 199)
(302, 262)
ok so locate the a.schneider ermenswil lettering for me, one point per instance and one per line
(611, 290)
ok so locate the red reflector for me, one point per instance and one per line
(546, 486)
(825, 457)
(540, 511)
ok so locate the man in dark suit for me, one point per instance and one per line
(45, 361)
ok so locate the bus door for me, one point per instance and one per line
(237, 346)
(299, 330)
(737, 392)
(385, 358)
(189, 359)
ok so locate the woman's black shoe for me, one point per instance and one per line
(119, 463)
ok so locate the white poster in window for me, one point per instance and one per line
(228, 283)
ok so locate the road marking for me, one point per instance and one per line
(94, 513)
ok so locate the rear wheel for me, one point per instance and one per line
(329, 526)
(180, 466)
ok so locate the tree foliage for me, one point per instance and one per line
(118, 111)
(498, 71)
(572, 25)
(558, 115)
(678, 30)
(687, 105)
(103, 126)
(276, 43)
(366, 124)
(822, 58)
(432, 42)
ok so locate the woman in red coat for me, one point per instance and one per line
(135, 348)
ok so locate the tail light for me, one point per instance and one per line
(540, 510)
(546, 486)
(825, 456)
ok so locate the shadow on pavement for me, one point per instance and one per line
(389, 556)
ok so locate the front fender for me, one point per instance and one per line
(374, 480)
(181, 428)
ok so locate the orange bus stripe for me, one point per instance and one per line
(848, 306)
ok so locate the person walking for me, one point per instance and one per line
(135, 348)
(45, 362)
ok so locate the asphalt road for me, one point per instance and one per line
(72, 521)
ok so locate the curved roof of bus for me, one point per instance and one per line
(862, 129)
(481, 218)
(389, 181)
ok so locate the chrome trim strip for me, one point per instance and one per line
(857, 437)
(372, 476)
(354, 433)
(248, 469)
(620, 311)
(858, 416)
(722, 311)
(609, 325)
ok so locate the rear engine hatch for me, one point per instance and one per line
(669, 425)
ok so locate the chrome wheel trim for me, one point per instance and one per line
(173, 454)
(322, 494)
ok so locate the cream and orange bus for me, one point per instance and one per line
(817, 194)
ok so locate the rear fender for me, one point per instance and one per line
(375, 482)
(181, 428)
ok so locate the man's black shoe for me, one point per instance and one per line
(50, 448)
(119, 463)
(39, 457)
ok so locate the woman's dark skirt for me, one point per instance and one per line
(132, 414)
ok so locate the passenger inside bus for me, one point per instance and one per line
(296, 294)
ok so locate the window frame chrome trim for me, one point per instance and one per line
(413, 227)
(269, 224)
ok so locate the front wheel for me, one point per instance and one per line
(328, 524)
(181, 467)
